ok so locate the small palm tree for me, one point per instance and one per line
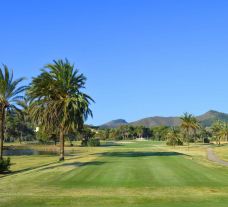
(10, 93)
(216, 129)
(57, 101)
(173, 137)
(220, 130)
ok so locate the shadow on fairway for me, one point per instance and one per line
(74, 164)
(140, 154)
(39, 168)
(110, 144)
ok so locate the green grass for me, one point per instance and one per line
(133, 174)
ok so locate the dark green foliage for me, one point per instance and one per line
(174, 142)
(160, 132)
(45, 136)
(94, 142)
(85, 135)
(5, 165)
(17, 128)
(206, 140)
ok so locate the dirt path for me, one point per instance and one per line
(213, 157)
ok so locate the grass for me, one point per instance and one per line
(134, 174)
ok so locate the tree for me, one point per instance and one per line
(18, 122)
(189, 123)
(173, 137)
(160, 132)
(86, 134)
(57, 100)
(10, 93)
(220, 131)
(216, 127)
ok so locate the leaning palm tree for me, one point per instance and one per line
(10, 93)
(57, 101)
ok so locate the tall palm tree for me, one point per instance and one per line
(57, 100)
(10, 93)
(189, 123)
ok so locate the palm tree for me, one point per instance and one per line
(189, 123)
(220, 130)
(216, 128)
(57, 100)
(173, 137)
(9, 95)
(223, 132)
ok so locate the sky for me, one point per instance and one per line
(141, 58)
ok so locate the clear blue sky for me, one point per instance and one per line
(142, 58)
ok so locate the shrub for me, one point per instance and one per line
(173, 142)
(84, 143)
(118, 138)
(94, 142)
(206, 140)
(5, 165)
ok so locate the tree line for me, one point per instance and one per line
(189, 131)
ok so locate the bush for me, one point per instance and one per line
(94, 142)
(173, 142)
(118, 138)
(206, 140)
(5, 165)
(84, 143)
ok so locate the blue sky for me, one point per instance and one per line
(142, 58)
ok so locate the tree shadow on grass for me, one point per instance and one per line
(10, 173)
(140, 154)
(74, 164)
(110, 144)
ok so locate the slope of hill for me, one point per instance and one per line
(114, 123)
(211, 116)
(206, 120)
(157, 121)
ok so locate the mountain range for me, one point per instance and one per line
(205, 119)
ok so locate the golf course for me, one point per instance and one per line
(118, 174)
(115, 103)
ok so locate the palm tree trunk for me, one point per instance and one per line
(2, 129)
(61, 138)
(188, 138)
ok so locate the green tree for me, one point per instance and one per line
(189, 124)
(220, 130)
(216, 128)
(57, 100)
(10, 93)
(173, 137)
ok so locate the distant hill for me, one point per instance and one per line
(114, 123)
(211, 116)
(206, 120)
(157, 121)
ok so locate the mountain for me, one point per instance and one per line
(157, 121)
(206, 120)
(211, 116)
(114, 123)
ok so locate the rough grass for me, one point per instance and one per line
(134, 174)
